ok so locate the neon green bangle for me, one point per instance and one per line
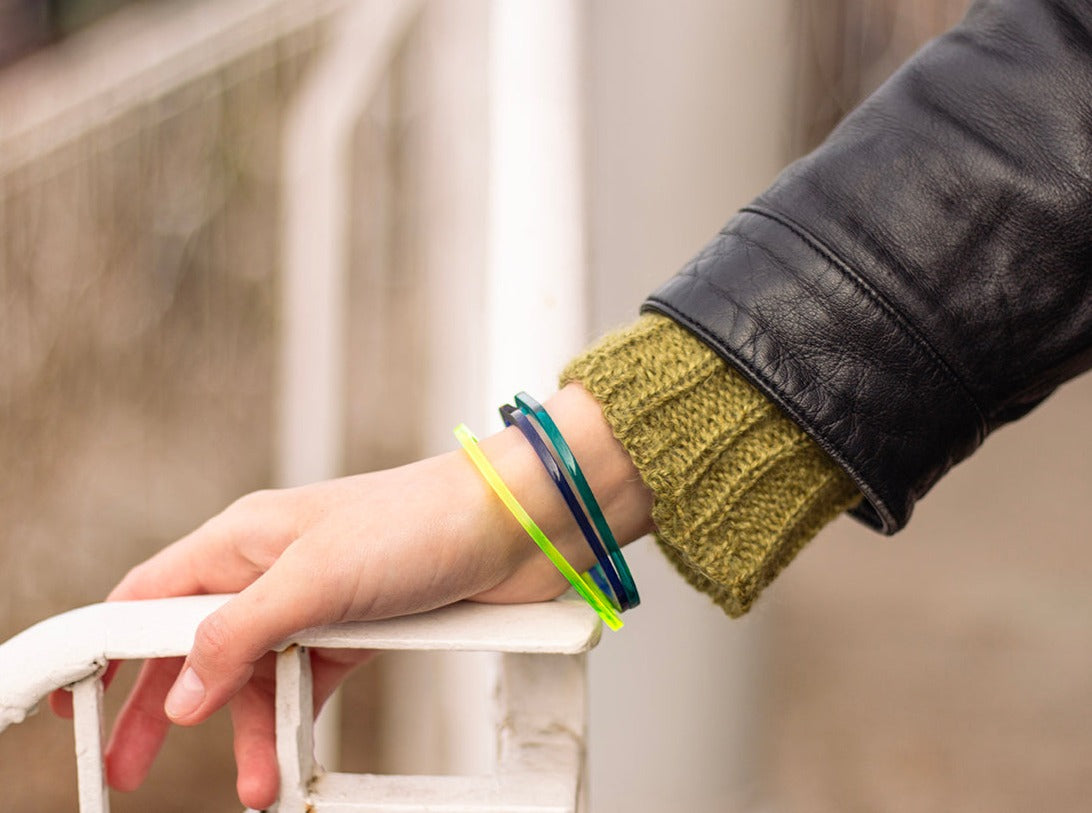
(582, 583)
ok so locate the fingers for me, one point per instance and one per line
(141, 726)
(253, 719)
(167, 573)
(222, 556)
(288, 598)
(329, 667)
(170, 572)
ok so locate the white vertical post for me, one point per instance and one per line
(87, 726)
(543, 721)
(295, 742)
(535, 277)
(536, 283)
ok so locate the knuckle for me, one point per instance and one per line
(212, 642)
(256, 502)
(136, 573)
(137, 581)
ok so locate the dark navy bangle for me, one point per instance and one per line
(613, 589)
(537, 412)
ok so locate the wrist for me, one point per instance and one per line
(623, 497)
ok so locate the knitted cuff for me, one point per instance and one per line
(738, 487)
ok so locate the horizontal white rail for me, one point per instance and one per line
(540, 697)
(69, 647)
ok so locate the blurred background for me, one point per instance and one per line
(143, 197)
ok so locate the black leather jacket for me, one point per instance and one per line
(925, 276)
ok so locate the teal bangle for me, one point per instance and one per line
(532, 408)
(603, 572)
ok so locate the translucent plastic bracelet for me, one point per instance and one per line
(537, 411)
(582, 584)
(529, 406)
(614, 590)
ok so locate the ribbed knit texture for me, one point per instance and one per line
(738, 487)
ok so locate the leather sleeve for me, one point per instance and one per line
(924, 276)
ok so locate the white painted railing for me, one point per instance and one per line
(539, 717)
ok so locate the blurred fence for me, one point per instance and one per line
(138, 214)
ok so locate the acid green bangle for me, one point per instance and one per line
(583, 584)
(532, 408)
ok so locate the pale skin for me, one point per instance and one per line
(369, 546)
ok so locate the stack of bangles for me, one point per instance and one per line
(608, 587)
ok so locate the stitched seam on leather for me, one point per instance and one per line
(770, 390)
(880, 301)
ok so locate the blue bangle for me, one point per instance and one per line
(534, 410)
(613, 589)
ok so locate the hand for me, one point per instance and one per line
(365, 547)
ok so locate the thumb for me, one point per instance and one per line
(229, 642)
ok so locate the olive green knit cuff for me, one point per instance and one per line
(738, 487)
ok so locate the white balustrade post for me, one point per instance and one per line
(542, 724)
(536, 276)
(295, 729)
(87, 727)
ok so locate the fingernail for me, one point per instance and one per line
(186, 694)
